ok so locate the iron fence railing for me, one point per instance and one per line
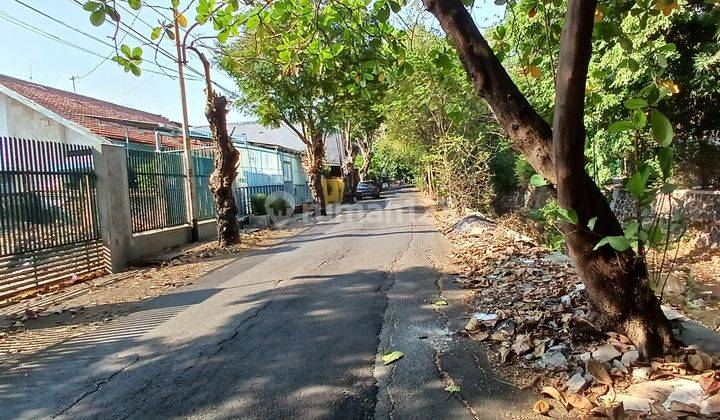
(300, 193)
(204, 163)
(157, 189)
(47, 195)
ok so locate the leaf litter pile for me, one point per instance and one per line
(531, 310)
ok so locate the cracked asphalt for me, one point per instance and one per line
(294, 330)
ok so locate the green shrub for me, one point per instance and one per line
(257, 204)
(279, 206)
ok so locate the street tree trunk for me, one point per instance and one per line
(616, 281)
(226, 160)
(348, 166)
(366, 152)
(314, 157)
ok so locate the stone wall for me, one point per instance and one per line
(699, 209)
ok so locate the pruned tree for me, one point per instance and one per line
(225, 18)
(616, 279)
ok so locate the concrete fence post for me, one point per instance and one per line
(113, 201)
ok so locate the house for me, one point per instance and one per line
(282, 137)
(254, 139)
(31, 110)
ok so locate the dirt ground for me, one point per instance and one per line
(43, 320)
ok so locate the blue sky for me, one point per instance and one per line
(52, 63)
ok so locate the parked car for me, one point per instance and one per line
(367, 189)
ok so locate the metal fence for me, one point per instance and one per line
(48, 211)
(300, 194)
(157, 189)
(204, 163)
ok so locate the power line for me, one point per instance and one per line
(15, 21)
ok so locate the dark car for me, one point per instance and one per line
(367, 189)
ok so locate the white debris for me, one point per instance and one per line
(630, 357)
(482, 316)
(684, 391)
(606, 353)
(576, 382)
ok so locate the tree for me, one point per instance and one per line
(300, 62)
(435, 109)
(616, 280)
(225, 17)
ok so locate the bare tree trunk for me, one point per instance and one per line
(367, 153)
(226, 160)
(348, 166)
(616, 282)
(225, 172)
(314, 158)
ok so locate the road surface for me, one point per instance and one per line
(294, 330)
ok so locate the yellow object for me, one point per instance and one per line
(333, 189)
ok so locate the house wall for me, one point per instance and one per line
(19, 120)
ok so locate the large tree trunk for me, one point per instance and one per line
(226, 160)
(314, 158)
(225, 171)
(616, 282)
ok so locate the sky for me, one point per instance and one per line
(44, 60)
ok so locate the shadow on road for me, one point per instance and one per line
(296, 343)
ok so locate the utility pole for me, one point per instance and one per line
(73, 78)
(190, 193)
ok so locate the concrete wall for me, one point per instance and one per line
(698, 209)
(155, 242)
(115, 222)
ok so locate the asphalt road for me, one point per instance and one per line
(295, 330)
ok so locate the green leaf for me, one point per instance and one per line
(619, 126)
(661, 127)
(538, 181)
(383, 13)
(639, 119)
(137, 52)
(90, 6)
(618, 243)
(665, 157)
(440, 302)
(636, 185)
(636, 103)
(568, 215)
(668, 188)
(392, 356)
(631, 229)
(155, 34)
(126, 50)
(452, 389)
(97, 17)
(591, 223)
(135, 4)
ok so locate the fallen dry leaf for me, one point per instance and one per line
(541, 407)
(700, 361)
(557, 395)
(580, 401)
(597, 370)
(709, 382)
(530, 382)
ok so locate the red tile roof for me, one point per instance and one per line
(102, 118)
